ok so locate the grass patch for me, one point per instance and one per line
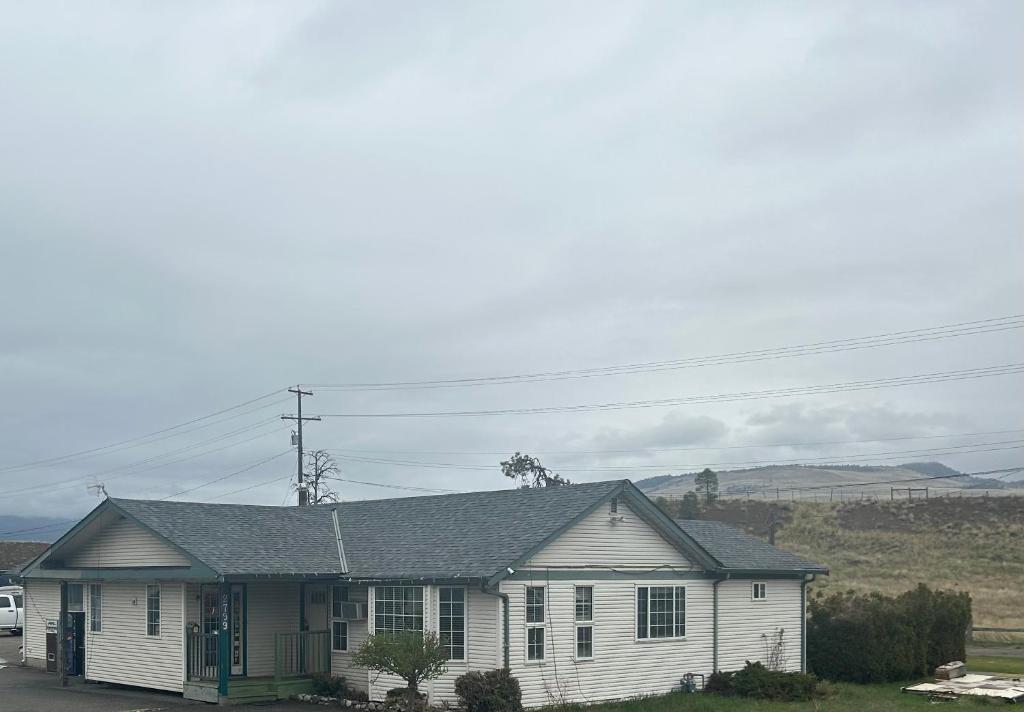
(842, 698)
(995, 663)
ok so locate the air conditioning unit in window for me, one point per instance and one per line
(353, 611)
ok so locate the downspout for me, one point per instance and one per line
(714, 623)
(504, 621)
(803, 620)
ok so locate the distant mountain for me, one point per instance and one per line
(832, 481)
(17, 528)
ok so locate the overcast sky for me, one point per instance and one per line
(203, 202)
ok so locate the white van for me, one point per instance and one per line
(12, 609)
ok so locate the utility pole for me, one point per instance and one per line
(303, 495)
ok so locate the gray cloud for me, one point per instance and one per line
(200, 203)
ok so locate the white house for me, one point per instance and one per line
(585, 592)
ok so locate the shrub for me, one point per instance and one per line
(758, 682)
(327, 685)
(876, 638)
(719, 682)
(414, 657)
(491, 691)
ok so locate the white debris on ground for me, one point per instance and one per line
(1006, 688)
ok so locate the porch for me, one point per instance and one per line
(255, 641)
(297, 657)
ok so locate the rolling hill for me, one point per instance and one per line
(833, 482)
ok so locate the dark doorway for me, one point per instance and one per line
(74, 634)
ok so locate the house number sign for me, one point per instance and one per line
(224, 608)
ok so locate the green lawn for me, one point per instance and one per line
(845, 698)
(995, 663)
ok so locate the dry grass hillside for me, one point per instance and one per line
(973, 544)
(831, 482)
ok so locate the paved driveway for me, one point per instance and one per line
(30, 690)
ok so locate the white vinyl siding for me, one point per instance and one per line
(742, 622)
(123, 653)
(622, 666)
(123, 543)
(271, 608)
(603, 539)
(42, 603)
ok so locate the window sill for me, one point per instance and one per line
(647, 641)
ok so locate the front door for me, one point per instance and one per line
(74, 630)
(213, 618)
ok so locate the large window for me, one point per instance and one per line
(535, 622)
(452, 621)
(660, 612)
(398, 608)
(584, 622)
(95, 607)
(153, 610)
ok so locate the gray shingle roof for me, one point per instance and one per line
(734, 549)
(445, 536)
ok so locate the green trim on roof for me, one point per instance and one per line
(148, 573)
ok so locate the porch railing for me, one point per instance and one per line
(303, 653)
(202, 655)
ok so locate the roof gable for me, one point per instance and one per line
(616, 540)
(735, 550)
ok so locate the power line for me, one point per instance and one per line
(397, 487)
(117, 445)
(968, 328)
(233, 474)
(503, 453)
(872, 384)
(132, 466)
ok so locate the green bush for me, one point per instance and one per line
(876, 638)
(491, 691)
(327, 685)
(758, 682)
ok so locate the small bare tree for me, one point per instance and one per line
(320, 467)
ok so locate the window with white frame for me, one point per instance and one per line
(153, 609)
(660, 612)
(759, 591)
(535, 622)
(339, 636)
(451, 622)
(584, 622)
(339, 626)
(398, 609)
(95, 608)
(74, 601)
